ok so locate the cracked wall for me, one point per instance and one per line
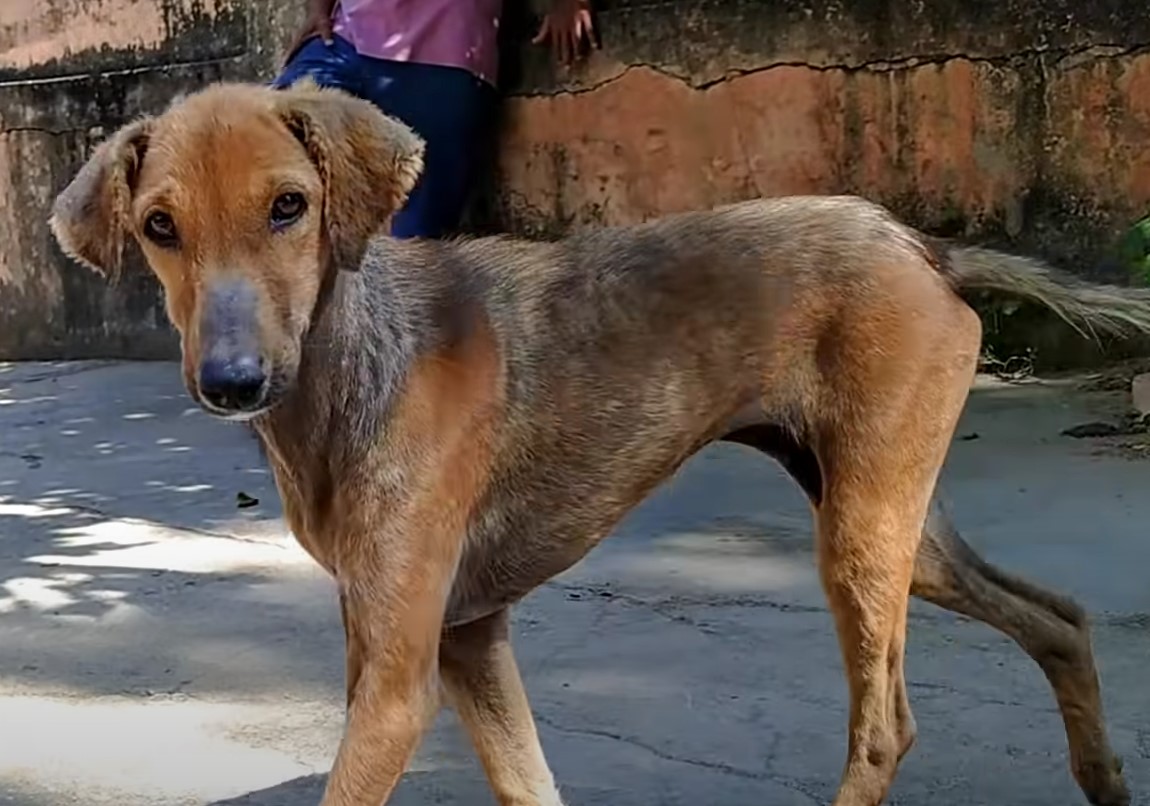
(1018, 122)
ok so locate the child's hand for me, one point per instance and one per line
(565, 26)
(317, 23)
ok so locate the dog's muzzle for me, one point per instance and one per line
(232, 378)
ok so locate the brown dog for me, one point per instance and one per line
(451, 424)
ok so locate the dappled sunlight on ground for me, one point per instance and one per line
(164, 641)
(161, 750)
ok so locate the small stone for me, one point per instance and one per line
(1140, 393)
(1097, 429)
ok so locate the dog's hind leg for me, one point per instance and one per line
(1051, 629)
(880, 424)
(868, 533)
(481, 678)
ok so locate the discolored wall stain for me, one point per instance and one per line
(38, 32)
(1020, 123)
(71, 72)
(930, 141)
(54, 38)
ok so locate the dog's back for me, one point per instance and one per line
(682, 306)
(629, 294)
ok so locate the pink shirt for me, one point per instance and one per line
(453, 33)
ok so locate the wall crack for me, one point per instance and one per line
(1075, 56)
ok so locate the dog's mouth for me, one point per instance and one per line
(235, 415)
(241, 407)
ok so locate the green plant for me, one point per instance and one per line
(1134, 251)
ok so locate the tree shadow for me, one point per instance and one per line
(125, 440)
(307, 789)
(126, 545)
(417, 788)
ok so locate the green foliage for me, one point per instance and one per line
(1133, 250)
(1023, 338)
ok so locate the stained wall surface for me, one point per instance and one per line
(71, 72)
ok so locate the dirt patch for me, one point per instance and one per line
(1116, 377)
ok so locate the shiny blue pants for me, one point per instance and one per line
(451, 109)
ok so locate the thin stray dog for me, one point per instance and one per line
(451, 424)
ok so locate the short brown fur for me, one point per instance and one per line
(453, 423)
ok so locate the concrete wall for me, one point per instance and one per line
(1019, 122)
(1025, 121)
(71, 72)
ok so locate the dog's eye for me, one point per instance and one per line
(160, 228)
(287, 209)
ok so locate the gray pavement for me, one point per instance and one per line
(161, 645)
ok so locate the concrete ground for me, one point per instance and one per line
(160, 644)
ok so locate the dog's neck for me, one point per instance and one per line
(353, 365)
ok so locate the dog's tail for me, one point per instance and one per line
(1092, 309)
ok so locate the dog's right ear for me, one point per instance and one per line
(90, 217)
(369, 162)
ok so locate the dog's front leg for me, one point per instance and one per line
(482, 680)
(393, 613)
(392, 698)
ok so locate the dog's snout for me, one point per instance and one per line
(234, 384)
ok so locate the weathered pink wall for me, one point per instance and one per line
(645, 142)
(1021, 122)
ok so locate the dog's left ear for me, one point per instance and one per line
(90, 216)
(368, 162)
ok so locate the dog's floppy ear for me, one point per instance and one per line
(90, 217)
(368, 162)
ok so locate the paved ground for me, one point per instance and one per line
(159, 645)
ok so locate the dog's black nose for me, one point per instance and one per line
(235, 383)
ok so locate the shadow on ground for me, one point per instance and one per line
(305, 789)
(688, 660)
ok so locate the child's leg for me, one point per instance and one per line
(454, 112)
(335, 65)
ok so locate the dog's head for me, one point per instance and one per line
(243, 200)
